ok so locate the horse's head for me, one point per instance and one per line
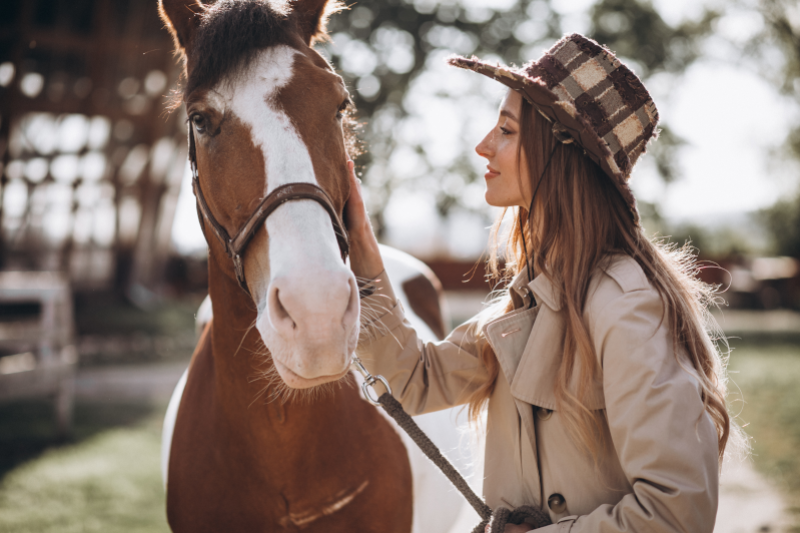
(265, 110)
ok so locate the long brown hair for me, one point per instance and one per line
(578, 221)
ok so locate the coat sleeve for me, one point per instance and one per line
(665, 440)
(424, 377)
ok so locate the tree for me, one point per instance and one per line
(783, 223)
(780, 32)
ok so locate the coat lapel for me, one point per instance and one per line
(529, 342)
(508, 336)
(537, 368)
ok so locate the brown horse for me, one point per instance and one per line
(265, 111)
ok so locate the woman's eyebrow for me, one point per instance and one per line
(509, 114)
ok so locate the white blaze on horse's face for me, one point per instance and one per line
(307, 298)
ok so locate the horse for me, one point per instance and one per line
(266, 431)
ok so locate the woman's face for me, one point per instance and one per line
(505, 169)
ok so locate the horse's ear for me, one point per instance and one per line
(312, 17)
(182, 18)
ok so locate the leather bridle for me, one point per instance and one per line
(236, 245)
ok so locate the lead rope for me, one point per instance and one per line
(496, 520)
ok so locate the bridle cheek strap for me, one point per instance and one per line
(236, 245)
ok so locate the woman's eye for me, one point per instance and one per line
(505, 131)
(199, 122)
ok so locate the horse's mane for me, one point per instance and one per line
(231, 33)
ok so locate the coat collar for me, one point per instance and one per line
(542, 287)
(546, 292)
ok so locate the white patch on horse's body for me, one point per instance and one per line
(341, 500)
(304, 293)
(172, 415)
(437, 504)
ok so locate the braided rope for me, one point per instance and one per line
(496, 520)
(528, 514)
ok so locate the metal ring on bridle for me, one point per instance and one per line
(366, 388)
(369, 381)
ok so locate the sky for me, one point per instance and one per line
(730, 117)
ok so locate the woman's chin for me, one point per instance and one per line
(496, 200)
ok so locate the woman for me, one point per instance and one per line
(604, 390)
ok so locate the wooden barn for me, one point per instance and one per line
(90, 172)
(91, 161)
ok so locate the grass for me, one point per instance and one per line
(768, 403)
(105, 479)
(108, 315)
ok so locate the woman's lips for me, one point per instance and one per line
(491, 173)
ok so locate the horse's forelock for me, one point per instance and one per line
(230, 35)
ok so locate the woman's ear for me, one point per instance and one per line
(312, 17)
(182, 18)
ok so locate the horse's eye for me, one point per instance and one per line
(342, 108)
(199, 122)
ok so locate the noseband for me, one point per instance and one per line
(236, 245)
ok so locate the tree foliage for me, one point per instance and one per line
(780, 32)
(783, 223)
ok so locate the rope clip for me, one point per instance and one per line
(369, 381)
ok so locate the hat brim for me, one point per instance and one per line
(535, 91)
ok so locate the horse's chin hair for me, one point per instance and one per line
(275, 389)
(372, 313)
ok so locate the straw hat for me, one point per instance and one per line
(591, 99)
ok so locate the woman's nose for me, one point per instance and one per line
(484, 148)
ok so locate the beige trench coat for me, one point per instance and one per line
(661, 472)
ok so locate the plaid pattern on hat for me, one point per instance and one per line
(591, 98)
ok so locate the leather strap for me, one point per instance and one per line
(236, 245)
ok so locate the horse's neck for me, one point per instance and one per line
(239, 360)
(236, 348)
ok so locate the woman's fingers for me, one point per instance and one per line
(356, 214)
(365, 257)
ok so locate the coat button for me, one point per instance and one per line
(557, 503)
(544, 414)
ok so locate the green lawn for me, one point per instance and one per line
(107, 478)
(769, 378)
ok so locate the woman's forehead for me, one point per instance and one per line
(510, 105)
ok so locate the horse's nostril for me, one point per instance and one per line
(279, 316)
(281, 310)
(318, 306)
(353, 309)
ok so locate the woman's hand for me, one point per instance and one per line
(512, 528)
(365, 258)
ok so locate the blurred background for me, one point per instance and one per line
(102, 263)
